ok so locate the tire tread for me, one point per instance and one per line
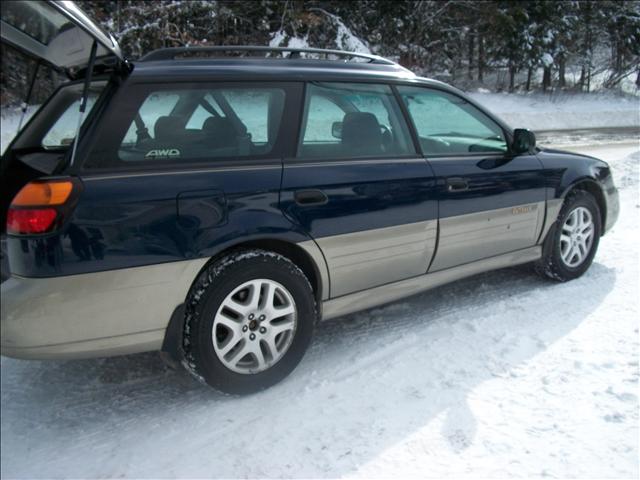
(207, 280)
(550, 266)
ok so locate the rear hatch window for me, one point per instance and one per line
(38, 20)
(58, 33)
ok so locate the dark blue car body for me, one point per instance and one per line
(129, 217)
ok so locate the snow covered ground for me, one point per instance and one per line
(500, 375)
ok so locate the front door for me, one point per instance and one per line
(490, 201)
(359, 188)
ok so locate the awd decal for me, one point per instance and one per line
(163, 153)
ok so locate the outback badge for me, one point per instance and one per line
(519, 210)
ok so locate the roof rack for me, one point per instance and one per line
(173, 52)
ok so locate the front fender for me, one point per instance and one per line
(567, 171)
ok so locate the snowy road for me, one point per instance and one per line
(504, 374)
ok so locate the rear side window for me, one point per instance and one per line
(156, 105)
(63, 130)
(449, 125)
(350, 120)
(203, 123)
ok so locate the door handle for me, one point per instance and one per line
(310, 197)
(455, 184)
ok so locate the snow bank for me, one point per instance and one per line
(563, 111)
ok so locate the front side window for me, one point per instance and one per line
(449, 125)
(204, 123)
(346, 120)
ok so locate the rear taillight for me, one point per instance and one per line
(33, 220)
(40, 206)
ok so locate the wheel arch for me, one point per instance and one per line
(592, 187)
(305, 255)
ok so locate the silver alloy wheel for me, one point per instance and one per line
(576, 237)
(254, 326)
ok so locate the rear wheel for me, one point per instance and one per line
(249, 320)
(572, 242)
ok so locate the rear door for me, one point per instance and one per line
(358, 187)
(491, 201)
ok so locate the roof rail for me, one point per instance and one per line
(171, 53)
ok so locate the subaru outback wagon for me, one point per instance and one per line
(216, 207)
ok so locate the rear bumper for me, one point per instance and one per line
(100, 347)
(92, 315)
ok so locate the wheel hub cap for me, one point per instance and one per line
(576, 237)
(254, 326)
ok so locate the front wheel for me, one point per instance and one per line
(572, 242)
(249, 320)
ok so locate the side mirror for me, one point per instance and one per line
(336, 129)
(523, 140)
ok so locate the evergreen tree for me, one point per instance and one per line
(497, 44)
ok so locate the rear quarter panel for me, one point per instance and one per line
(124, 221)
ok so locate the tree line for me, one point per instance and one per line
(495, 44)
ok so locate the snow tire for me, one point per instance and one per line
(551, 264)
(210, 289)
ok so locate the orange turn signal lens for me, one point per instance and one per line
(40, 194)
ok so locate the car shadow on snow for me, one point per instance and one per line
(369, 381)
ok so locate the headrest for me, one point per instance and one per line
(219, 126)
(167, 127)
(362, 131)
